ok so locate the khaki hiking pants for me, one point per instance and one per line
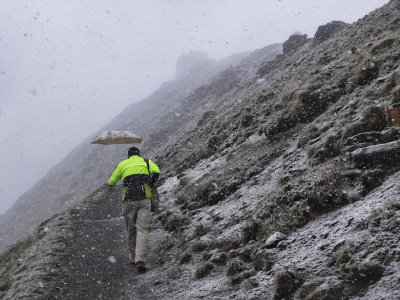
(137, 219)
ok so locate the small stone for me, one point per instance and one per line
(333, 223)
(219, 258)
(250, 283)
(237, 278)
(245, 253)
(194, 205)
(262, 260)
(233, 253)
(354, 196)
(349, 222)
(235, 266)
(274, 239)
(338, 245)
(157, 282)
(323, 246)
(353, 173)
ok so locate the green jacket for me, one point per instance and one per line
(136, 177)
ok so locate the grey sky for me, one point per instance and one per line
(67, 67)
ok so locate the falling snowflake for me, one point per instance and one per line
(112, 259)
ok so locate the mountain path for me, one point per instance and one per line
(97, 254)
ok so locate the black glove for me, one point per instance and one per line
(107, 187)
(154, 178)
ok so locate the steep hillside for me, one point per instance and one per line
(158, 119)
(280, 181)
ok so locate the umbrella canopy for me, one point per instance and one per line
(117, 137)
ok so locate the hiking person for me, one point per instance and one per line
(138, 175)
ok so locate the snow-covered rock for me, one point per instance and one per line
(274, 239)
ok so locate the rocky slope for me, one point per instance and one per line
(157, 119)
(280, 181)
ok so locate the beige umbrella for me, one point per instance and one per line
(117, 137)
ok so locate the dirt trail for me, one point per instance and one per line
(96, 266)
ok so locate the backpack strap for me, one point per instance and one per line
(148, 169)
(147, 163)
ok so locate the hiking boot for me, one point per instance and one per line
(141, 266)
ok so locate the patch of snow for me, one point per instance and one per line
(169, 184)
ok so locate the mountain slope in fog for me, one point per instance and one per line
(156, 119)
(280, 181)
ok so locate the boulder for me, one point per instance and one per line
(382, 153)
(370, 138)
(327, 31)
(274, 239)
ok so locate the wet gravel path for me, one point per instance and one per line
(97, 264)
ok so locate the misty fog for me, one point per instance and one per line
(69, 67)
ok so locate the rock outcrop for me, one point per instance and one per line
(327, 31)
(294, 42)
